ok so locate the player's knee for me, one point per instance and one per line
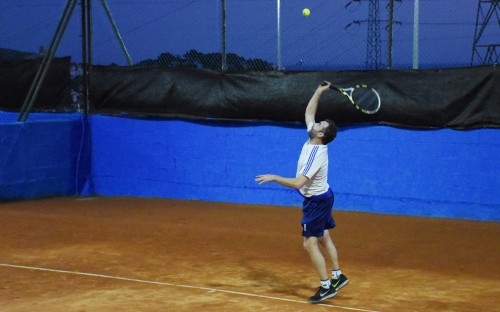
(310, 244)
(326, 237)
(321, 241)
(305, 246)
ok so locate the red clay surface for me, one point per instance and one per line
(138, 254)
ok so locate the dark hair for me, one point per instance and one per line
(330, 132)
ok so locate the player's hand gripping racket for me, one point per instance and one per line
(364, 98)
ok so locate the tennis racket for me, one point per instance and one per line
(364, 98)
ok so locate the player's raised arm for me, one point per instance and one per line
(312, 106)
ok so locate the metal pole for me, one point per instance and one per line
(47, 60)
(389, 45)
(89, 32)
(117, 33)
(86, 6)
(279, 34)
(223, 61)
(84, 82)
(415, 33)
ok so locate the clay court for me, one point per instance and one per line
(138, 254)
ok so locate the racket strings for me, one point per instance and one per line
(366, 99)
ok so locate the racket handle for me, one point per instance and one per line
(333, 87)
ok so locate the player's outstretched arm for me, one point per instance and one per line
(296, 183)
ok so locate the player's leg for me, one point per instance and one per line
(331, 250)
(312, 248)
(325, 290)
(313, 225)
(339, 280)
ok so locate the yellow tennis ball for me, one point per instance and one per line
(306, 12)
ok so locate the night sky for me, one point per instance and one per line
(321, 40)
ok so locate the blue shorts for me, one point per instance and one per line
(317, 214)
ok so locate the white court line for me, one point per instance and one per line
(211, 290)
(87, 198)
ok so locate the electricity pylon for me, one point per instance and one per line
(486, 52)
(373, 49)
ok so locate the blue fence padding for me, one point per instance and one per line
(436, 173)
(433, 173)
(42, 158)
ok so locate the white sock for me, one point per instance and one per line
(325, 284)
(336, 274)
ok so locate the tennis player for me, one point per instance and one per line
(311, 181)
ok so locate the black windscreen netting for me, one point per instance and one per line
(17, 77)
(458, 98)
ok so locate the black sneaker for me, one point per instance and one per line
(340, 282)
(323, 294)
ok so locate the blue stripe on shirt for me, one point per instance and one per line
(310, 160)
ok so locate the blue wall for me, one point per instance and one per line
(437, 173)
(43, 158)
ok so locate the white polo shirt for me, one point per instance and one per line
(313, 163)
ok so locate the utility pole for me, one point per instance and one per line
(416, 24)
(278, 19)
(389, 34)
(224, 59)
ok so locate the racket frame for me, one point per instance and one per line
(349, 91)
